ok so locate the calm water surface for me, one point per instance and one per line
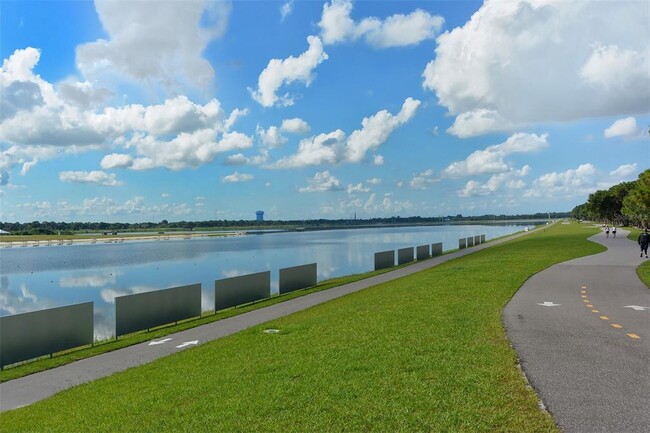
(52, 276)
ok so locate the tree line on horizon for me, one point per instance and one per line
(52, 227)
(627, 204)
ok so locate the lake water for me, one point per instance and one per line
(52, 276)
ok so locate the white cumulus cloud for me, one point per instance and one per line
(271, 137)
(322, 181)
(237, 177)
(185, 150)
(423, 180)
(623, 128)
(317, 150)
(502, 182)
(295, 126)
(279, 72)
(395, 31)
(569, 183)
(41, 125)
(335, 148)
(163, 41)
(520, 62)
(492, 159)
(116, 160)
(624, 172)
(358, 188)
(376, 129)
(98, 177)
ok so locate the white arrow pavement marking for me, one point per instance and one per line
(548, 304)
(636, 307)
(187, 343)
(163, 341)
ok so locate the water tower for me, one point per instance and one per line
(259, 215)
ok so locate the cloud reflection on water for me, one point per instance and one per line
(101, 273)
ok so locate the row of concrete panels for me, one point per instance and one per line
(30, 335)
(470, 241)
(386, 259)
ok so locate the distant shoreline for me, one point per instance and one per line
(32, 241)
(23, 241)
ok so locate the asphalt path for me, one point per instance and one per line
(582, 332)
(30, 389)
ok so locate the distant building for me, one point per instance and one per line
(259, 215)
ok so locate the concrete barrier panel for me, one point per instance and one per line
(384, 259)
(482, 239)
(436, 249)
(30, 335)
(297, 277)
(470, 242)
(422, 252)
(230, 292)
(477, 240)
(462, 244)
(405, 255)
(150, 309)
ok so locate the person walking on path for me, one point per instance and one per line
(643, 241)
(606, 231)
(614, 231)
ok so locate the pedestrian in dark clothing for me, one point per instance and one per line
(606, 231)
(614, 231)
(643, 241)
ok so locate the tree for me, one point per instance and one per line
(580, 212)
(636, 204)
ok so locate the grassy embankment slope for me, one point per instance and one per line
(424, 353)
(104, 346)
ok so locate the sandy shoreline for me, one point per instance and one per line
(112, 239)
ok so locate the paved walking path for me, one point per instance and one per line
(582, 332)
(35, 387)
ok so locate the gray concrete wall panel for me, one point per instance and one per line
(482, 239)
(30, 335)
(477, 240)
(384, 259)
(150, 309)
(297, 277)
(462, 244)
(230, 292)
(470, 242)
(405, 255)
(422, 252)
(436, 249)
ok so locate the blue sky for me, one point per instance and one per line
(195, 110)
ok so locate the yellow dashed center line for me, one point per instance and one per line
(583, 295)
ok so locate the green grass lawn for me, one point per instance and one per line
(423, 353)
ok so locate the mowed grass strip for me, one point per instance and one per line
(424, 353)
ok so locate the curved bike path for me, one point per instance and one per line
(30, 389)
(582, 332)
